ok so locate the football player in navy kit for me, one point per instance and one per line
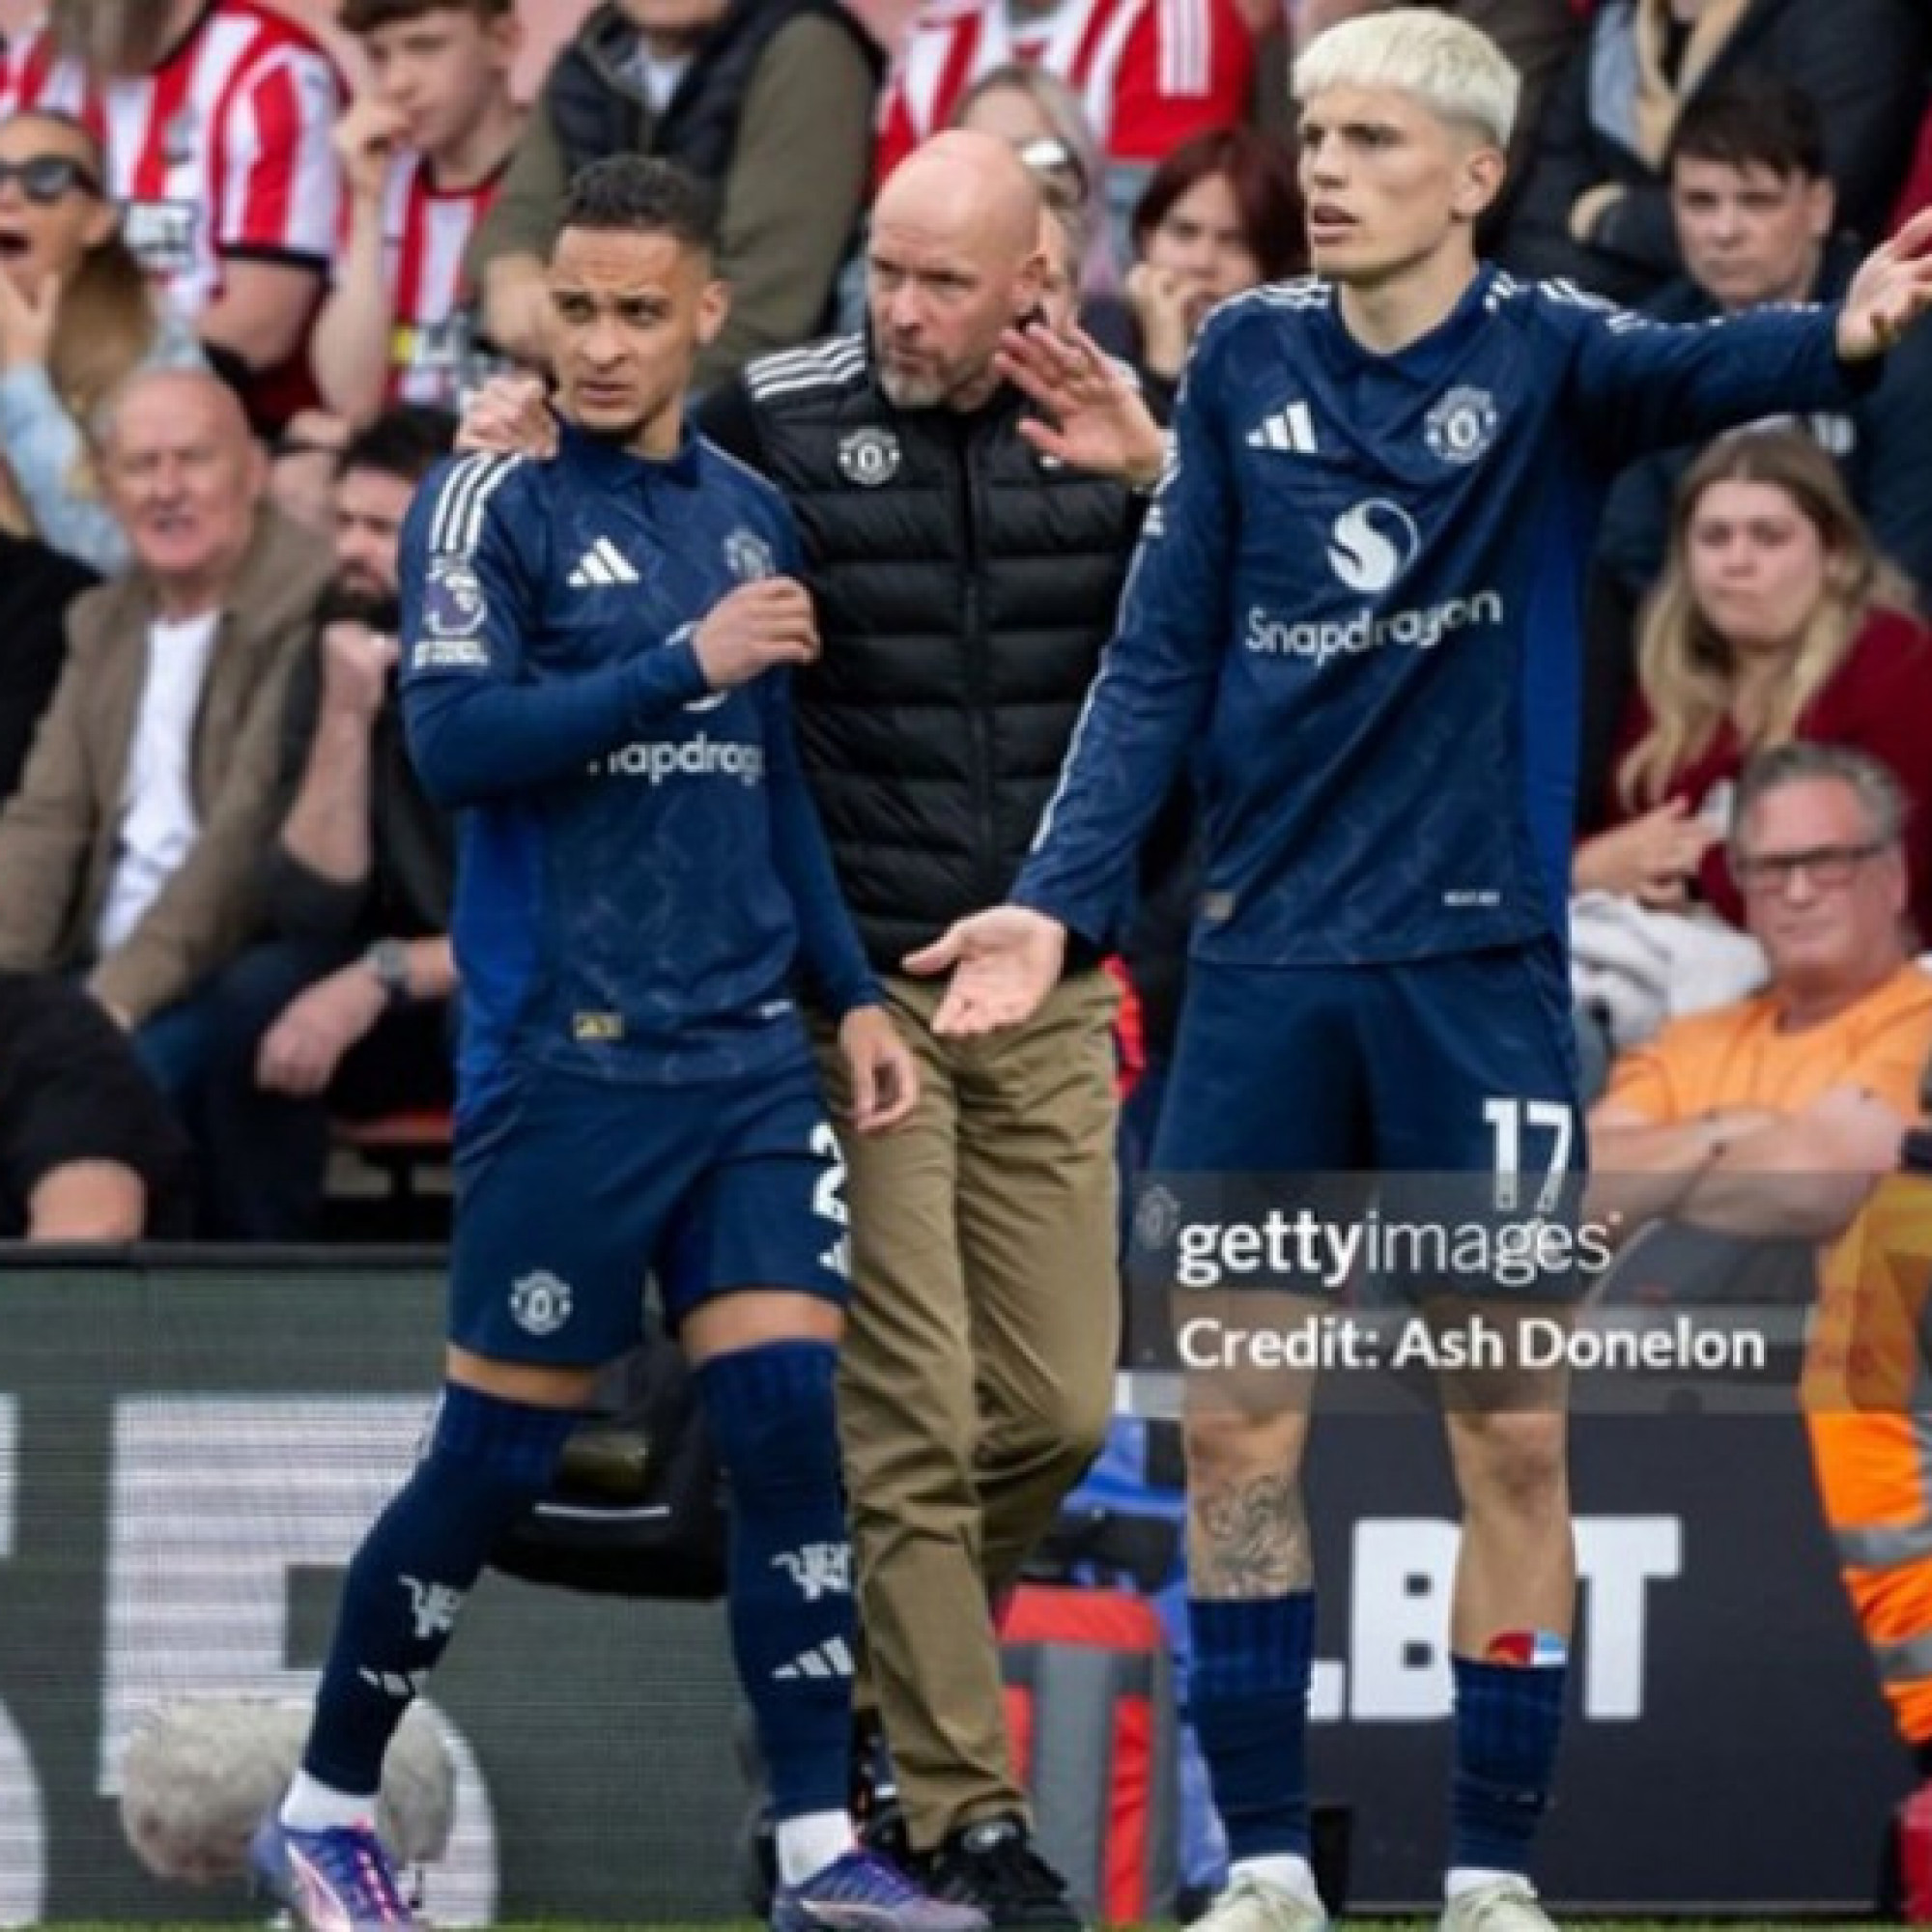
(1356, 595)
(594, 652)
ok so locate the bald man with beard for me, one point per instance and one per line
(964, 583)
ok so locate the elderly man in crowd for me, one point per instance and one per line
(129, 852)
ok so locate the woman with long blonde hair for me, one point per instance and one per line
(1775, 618)
(77, 318)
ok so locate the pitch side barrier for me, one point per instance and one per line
(191, 1441)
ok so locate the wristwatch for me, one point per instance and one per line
(388, 961)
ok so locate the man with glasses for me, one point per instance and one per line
(1817, 1074)
(1773, 1119)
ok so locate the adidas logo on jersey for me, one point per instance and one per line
(830, 1658)
(400, 1685)
(602, 564)
(1291, 429)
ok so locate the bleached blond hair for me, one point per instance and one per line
(1454, 69)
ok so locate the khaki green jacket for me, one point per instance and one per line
(789, 202)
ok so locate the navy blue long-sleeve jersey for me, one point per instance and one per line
(639, 866)
(1357, 593)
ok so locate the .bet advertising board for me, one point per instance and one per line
(188, 1453)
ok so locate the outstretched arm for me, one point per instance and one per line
(1642, 385)
(1004, 961)
(1150, 702)
(1156, 683)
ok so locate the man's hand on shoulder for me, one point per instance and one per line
(754, 627)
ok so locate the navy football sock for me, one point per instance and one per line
(771, 1414)
(1247, 1690)
(488, 1462)
(1509, 1719)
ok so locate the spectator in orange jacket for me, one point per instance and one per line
(1773, 1119)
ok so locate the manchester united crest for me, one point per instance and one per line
(1461, 426)
(748, 557)
(869, 457)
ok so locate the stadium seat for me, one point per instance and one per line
(405, 1149)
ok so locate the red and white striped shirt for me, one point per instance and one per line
(434, 356)
(222, 151)
(1149, 72)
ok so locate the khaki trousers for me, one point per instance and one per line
(976, 1378)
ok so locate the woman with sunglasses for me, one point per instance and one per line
(1776, 618)
(77, 319)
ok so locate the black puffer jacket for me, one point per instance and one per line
(964, 589)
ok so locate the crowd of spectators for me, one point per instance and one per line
(194, 186)
(1775, 617)
(241, 304)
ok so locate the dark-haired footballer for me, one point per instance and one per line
(594, 661)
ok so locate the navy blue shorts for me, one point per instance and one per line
(569, 1192)
(1451, 1082)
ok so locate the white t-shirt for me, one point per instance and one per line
(159, 821)
(658, 75)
